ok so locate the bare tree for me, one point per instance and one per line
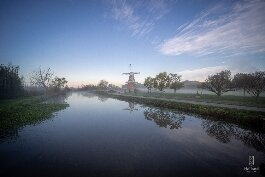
(256, 83)
(42, 78)
(219, 83)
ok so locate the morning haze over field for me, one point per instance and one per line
(86, 41)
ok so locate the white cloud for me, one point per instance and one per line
(201, 73)
(139, 17)
(235, 65)
(234, 31)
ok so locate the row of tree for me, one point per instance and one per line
(222, 82)
(12, 85)
(162, 81)
(219, 83)
(102, 85)
(253, 83)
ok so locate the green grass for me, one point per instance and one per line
(15, 113)
(243, 118)
(225, 99)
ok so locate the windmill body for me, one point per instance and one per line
(131, 86)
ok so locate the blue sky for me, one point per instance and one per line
(86, 41)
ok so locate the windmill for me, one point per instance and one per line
(131, 81)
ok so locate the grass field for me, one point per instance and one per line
(225, 99)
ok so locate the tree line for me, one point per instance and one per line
(162, 81)
(219, 83)
(102, 85)
(12, 85)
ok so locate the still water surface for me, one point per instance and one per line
(98, 136)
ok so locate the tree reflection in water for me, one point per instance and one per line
(131, 107)
(102, 98)
(223, 132)
(252, 139)
(86, 94)
(60, 98)
(219, 130)
(164, 118)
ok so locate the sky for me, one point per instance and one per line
(89, 40)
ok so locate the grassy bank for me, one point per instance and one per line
(15, 113)
(224, 99)
(240, 117)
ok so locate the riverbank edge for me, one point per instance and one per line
(244, 118)
(16, 113)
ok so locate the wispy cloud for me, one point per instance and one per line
(139, 17)
(221, 30)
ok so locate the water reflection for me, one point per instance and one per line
(131, 107)
(219, 130)
(164, 118)
(252, 139)
(58, 98)
(86, 94)
(203, 147)
(9, 134)
(102, 98)
(224, 132)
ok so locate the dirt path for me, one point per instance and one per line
(204, 103)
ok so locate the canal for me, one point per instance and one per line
(100, 136)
